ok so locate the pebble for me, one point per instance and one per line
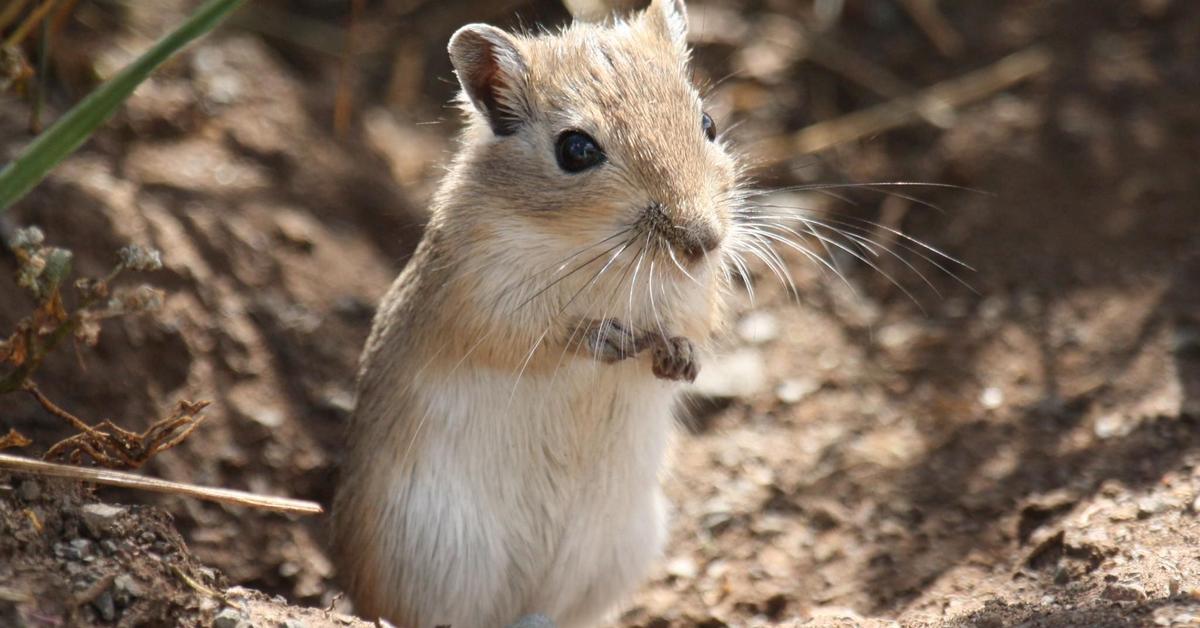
(795, 390)
(291, 623)
(739, 374)
(126, 588)
(77, 549)
(758, 328)
(99, 518)
(991, 398)
(1124, 592)
(227, 618)
(1152, 505)
(683, 567)
(1111, 425)
(1123, 512)
(105, 607)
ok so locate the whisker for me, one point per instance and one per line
(879, 270)
(848, 221)
(846, 229)
(821, 261)
(573, 271)
(867, 245)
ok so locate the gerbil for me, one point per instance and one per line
(515, 396)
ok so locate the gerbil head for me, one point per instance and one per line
(592, 137)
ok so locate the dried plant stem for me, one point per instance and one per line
(52, 408)
(130, 480)
(948, 94)
(36, 16)
(11, 12)
(937, 28)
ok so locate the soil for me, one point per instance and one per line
(1021, 447)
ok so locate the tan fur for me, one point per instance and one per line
(494, 510)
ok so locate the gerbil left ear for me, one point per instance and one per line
(670, 16)
(492, 70)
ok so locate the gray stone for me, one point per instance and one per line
(1124, 592)
(126, 588)
(99, 518)
(227, 618)
(105, 607)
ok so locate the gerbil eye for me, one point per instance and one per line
(577, 151)
(710, 127)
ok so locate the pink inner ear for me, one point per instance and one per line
(485, 81)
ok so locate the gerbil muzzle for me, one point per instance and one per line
(692, 238)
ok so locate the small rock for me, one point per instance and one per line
(991, 398)
(758, 328)
(1151, 505)
(77, 549)
(1111, 426)
(99, 518)
(795, 390)
(125, 588)
(1124, 592)
(109, 546)
(105, 607)
(533, 621)
(291, 623)
(683, 567)
(1124, 512)
(736, 375)
(30, 490)
(227, 618)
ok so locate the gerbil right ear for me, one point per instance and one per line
(491, 69)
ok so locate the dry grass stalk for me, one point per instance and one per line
(949, 94)
(129, 480)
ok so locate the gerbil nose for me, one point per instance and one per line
(692, 236)
(698, 241)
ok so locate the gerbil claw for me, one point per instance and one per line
(609, 341)
(675, 359)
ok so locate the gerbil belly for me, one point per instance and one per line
(539, 494)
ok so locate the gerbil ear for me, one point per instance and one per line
(491, 69)
(670, 16)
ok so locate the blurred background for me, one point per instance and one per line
(1008, 439)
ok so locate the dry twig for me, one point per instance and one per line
(948, 94)
(111, 446)
(935, 25)
(130, 480)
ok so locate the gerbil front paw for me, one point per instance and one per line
(675, 359)
(609, 341)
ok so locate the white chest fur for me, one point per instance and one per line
(532, 495)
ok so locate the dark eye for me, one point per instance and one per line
(710, 127)
(577, 151)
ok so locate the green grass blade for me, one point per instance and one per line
(61, 139)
